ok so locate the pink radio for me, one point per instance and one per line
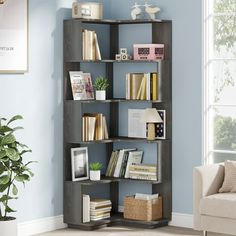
(148, 51)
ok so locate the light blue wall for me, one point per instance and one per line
(186, 76)
(37, 95)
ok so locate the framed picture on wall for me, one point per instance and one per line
(79, 163)
(14, 36)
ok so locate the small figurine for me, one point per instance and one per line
(136, 11)
(151, 11)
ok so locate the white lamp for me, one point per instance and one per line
(151, 117)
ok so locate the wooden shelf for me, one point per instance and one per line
(117, 219)
(117, 22)
(113, 100)
(108, 180)
(115, 61)
(123, 139)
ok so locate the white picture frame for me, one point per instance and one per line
(14, 36)
(79, 164)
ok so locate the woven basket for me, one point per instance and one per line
(146, 210)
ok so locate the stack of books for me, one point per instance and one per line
(100, 209)
(121, 160)
(144, 172)
(94, 127)
(91, 50)
(142, 86)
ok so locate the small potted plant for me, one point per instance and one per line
(95, 171)
(101, 84)
(12, 170)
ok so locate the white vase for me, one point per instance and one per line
(95, 175)
(100, 94)
(9, 227)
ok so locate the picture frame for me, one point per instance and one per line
(79, 164)
(81, 85)
(14, 36)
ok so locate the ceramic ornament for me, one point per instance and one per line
(136, 11)
(151, 11)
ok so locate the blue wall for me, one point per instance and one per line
(37, 95)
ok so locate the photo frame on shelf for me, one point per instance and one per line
(81, 85)
(160, 128)
(14, 36)
(79, 164)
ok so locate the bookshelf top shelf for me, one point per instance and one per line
(117, 22)
(112, 100)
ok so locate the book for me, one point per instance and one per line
(136, 123)
(142, 177)
(110, 163)
(99, 132)
(154, 88)
(137, 172)
(148, 88)
(99, 202)
(135, 157)
(81, 85)
(135, 82)
(86, 208)
(97, 49)
(142, 196)
(119, 161)
(105, 129)
(144, 168)
(101, 210)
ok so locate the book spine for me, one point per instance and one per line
(154, 86)
(148, 86)
(127, 80)
(143, 92)
(110, 164)
(97, 48)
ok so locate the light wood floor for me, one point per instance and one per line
(121, 231)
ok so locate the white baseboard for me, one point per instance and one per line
(53, 223)
(182, 220)
(178, 219)
(41, 226)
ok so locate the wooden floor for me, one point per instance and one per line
(121, 231)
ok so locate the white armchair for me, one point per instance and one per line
(213, 211)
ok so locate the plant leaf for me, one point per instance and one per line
(17, 117)
(25, 151)
(22, 178)
(14, 190)
(9, 210)
(3, 153)
(8, 139)
(5, 129)
(4, 179)
(3, 187)
(17, 128)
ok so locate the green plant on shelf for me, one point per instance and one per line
(101, 83)
(95, 166)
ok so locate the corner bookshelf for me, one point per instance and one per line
(161, 31)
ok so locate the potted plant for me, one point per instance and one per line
(12, 170)
(101, 84)
(95, 171)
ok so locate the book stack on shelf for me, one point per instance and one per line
(143, 171)
(142, 86)
(91, 50)
(100, 209)
(94, 127)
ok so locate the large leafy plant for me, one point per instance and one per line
(12, 167)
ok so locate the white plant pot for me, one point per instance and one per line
(8, 228)
(100, 94)
(95, 175)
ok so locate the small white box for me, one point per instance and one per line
(123, 51)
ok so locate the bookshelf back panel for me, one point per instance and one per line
(103, 32)
(135, 34)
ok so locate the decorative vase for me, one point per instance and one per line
(100, 94)
(95, 175)
(8, 227)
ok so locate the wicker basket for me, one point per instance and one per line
(146, 210)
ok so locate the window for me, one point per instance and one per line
(219, 80)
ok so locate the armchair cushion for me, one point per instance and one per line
(219, 205)
(229, 184)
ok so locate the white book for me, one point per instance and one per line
(148, 92)
(143, 196)
(86, 208)
(136, 123)
(135, 157)
(120, 160)
(142, 173)
(97, 49)
(127, 78)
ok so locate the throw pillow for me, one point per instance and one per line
(229, 184)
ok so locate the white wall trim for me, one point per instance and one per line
(41, 226)
(182, 220)
(54, 223)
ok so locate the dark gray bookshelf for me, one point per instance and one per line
(161, 31)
